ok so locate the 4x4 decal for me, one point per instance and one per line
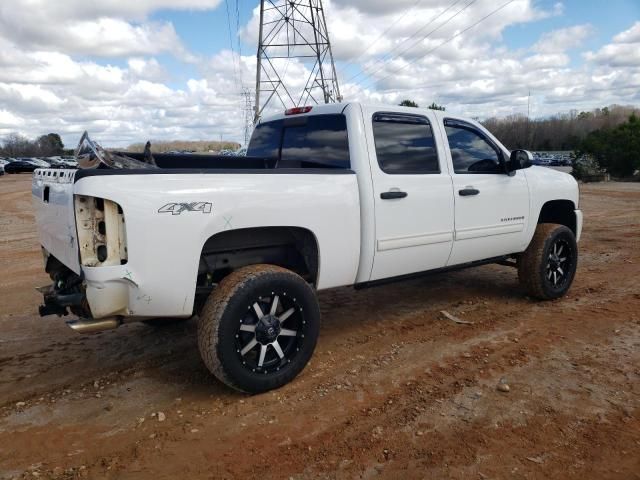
(178, 208)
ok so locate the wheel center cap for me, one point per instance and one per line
(268, 329)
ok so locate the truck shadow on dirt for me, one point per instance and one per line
(169, 354)
(346, 314)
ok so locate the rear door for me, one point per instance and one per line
(412, 194)
(491, 207)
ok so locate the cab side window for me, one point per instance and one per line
(405, 144)
(471, 151)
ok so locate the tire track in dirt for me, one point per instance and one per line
(393, 391)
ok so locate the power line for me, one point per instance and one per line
(231, 44)
(389, 54)
(447, 41)
(387, 30)
(238, 35)
(369, 75)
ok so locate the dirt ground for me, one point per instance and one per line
(393, 391)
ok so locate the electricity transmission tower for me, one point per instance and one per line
(248, 115)
(294, 31)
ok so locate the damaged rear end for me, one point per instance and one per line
(79, 233)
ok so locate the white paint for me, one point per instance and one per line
(360, 236)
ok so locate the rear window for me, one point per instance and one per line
(319, 140)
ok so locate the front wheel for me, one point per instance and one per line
(547, 268)
(259, 328)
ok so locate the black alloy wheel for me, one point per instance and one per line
(259, 328)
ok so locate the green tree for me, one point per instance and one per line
(50, 145)
(435, 106)
(617, 149)
(409, 103)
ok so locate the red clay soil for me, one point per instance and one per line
(395, 390)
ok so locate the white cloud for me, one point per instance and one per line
(83, 9)
(72, 65)
(107, 28)
(624, 51)
(29, 98)
(545, 61)
(102, 37)
(9, 120)
(148, 69)
(629, 36)
(563, 39)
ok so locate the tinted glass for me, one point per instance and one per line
(265, 141)
(303, 141)
(471, 152)
(318, 139)
(405, 145)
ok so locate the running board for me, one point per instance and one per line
(375, 283)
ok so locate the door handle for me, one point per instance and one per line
(468, 192)
(392, 195)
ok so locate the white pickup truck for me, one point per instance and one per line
(329, 196)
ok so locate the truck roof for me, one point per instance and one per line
(334, 108)
(328, 109)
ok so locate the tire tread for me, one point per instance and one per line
(211, 316)
(529, 263)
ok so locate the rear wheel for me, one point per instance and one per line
(548, 266)
(259, 328)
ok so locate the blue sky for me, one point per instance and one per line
(128, 71)
(619, 15)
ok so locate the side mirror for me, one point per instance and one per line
(519, 159)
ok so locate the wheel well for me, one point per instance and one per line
(293, 248)
(559, 211)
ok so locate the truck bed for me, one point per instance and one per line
(174, 161)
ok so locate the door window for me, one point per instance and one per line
(471, 151)
(405, 144)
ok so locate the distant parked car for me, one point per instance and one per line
(55, 162)
(1, 169)
(69, 162)
(25, 165)
(40, 162)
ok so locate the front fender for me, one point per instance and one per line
(546, 185)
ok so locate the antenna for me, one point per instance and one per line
(294, 31)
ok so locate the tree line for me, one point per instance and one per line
(610, 136)
(16, 145)
(604, 139)
(559, 132)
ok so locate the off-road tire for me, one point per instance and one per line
(534, 264)
(230, 304)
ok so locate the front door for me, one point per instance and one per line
(491, 207)
(412, 194)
